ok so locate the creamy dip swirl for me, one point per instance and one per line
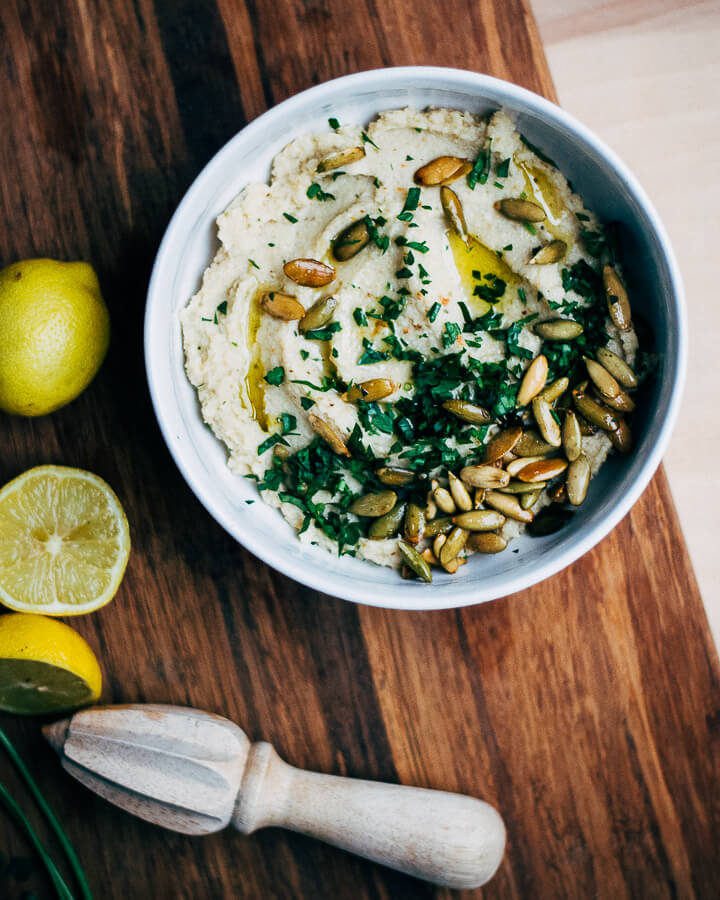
(438, 314)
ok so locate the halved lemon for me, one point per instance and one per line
(45, 666)
(64, 542)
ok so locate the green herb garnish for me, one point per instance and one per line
(315, 192)
(275, 376)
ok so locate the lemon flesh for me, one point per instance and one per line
(64, 542)
(45, 666)
(54, 333)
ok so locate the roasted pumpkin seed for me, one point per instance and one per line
(578, 479)
(549, 520)
(527, 501)
(413, 559)
(454, 543)
(480, 519)
(329, 433)
(374, 389)
(414, 523)
(431, 509)
(459, 493)
(478, 498)
(430, 557)
(395, 476)
(558, 330)
(622, 402)
(531, 444)
(533, 380)
(621, 438)
(468, 412)
(517, 464)
(542, 470)
(318, 315)
(340, 158)
(571, 437)
(486, 542)
(484, 476)
(438, 544)
(601, 378)
(586, 428)
(282, 306)
(444, 500)
(509, 506)
(453, 211)
(546, 422)
(521, 487)
(550, 253)
(374, 505)
(617, 299)
(460, 172)
(440, 525)
(388, 525)
(503, 442)
(444, 169)
(594, 412)
(309, 272)
(617, 367)
(520, 210)
(454, 564)
(555, 390)
(351, 241)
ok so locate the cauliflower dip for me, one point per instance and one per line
(416, 339)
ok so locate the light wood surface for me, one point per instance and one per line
(645, 75)
(585, 709)
(196, 773)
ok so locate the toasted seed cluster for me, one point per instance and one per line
(520, 466)
(534, 469)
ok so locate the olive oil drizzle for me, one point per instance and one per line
(253, 396)
(474, 256)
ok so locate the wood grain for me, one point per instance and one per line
(586, 709)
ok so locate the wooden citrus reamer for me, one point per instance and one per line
(195, 772)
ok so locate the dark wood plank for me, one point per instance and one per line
(586, 708)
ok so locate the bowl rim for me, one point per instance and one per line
(465, 594)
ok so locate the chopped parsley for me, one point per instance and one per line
(324, 333)
(502, 170)
(481, 168)
(411, 204)
(327, 383)
(371, 355)
(288, 423)
(433, 311)
(307, 402)
(381, 241)
(333, 123)
(450, 335)
(290, 218)
(315, 192)
(271, 442)
(368, 140)
(360, 317)
(253, 263)
(275, 376)
(222, 308)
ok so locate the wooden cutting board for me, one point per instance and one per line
(586, 709)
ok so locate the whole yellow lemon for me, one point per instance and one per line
(54, 334)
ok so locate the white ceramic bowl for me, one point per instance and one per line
(190, 242)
